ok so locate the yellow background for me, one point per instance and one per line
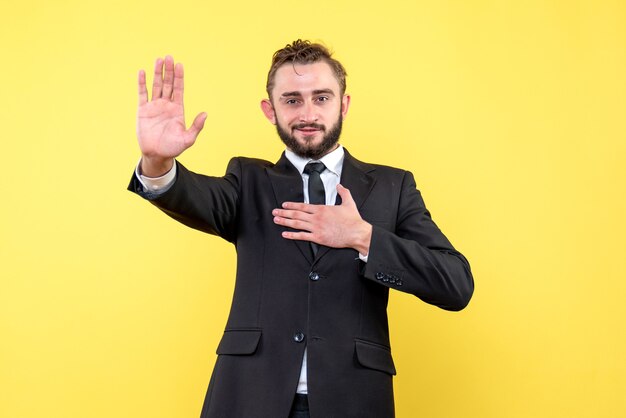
(510, 114)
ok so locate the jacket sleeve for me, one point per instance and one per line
(417, 257)
(205, 203)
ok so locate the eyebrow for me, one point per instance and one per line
(315, 92)
(323, 91)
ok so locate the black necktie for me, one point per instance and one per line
(317, 195)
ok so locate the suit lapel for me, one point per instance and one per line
(354, 177)
(287, 184)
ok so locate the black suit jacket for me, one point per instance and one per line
(334, 304)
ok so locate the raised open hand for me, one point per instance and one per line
(161, 121)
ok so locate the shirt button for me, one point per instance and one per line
(314, 276)
(298, 337)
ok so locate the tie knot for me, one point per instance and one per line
(314, 167)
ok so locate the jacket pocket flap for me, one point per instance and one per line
(239, 342)
(374, 356)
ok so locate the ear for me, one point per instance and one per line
(345, 104)
(268, 111)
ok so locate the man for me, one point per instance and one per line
(320, 236)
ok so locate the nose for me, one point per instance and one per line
(308, 113)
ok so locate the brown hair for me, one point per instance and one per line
(305, 52)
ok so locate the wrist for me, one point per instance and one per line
(363, 238)
(155, 167)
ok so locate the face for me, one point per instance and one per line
(307, 108)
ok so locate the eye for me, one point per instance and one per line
(323, 99)
(291, 101)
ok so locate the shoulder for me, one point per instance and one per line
(376, 169)
(252, 162)
(246, 164)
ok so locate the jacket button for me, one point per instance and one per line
(380, 275)
(298, 337)
(314, 276)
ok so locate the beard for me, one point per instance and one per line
(307, 149)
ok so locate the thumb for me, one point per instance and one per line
(346, 196)
(197, 125)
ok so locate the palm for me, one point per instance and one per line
(161, 121)
(161, 129)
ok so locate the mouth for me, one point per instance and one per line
(309, 129)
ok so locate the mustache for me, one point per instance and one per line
(309, 125)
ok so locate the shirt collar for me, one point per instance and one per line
(333, 160)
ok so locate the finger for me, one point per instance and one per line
(168, 78)
(178, 83)
(300, 236)
(346, 196)
(143, 92)
(293, 224)
(197, 125)
(157, 83)
(304, 207)
(292, 214)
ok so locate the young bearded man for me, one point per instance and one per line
(320, 236)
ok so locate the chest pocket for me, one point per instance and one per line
(378, 220)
